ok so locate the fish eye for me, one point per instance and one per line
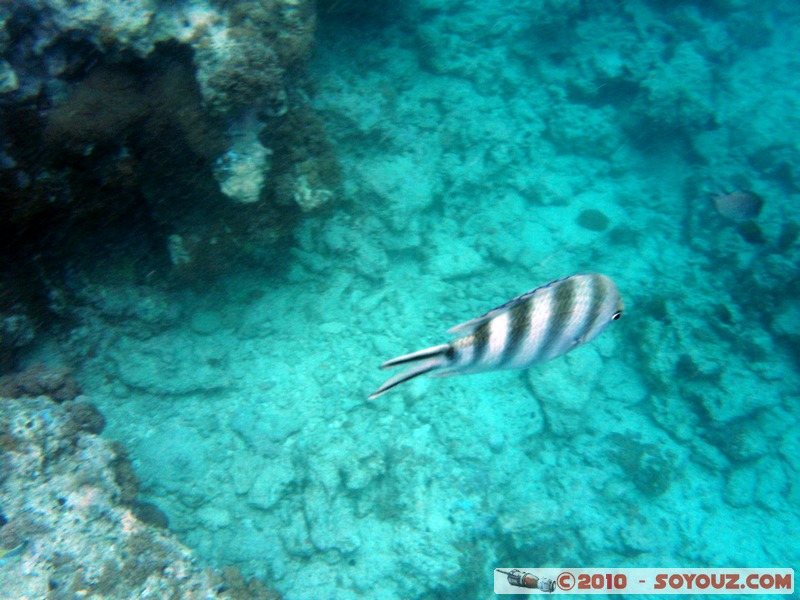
(616, 315)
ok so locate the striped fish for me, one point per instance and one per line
(532, 328)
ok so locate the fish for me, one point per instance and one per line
(532, 328)
(741, 205)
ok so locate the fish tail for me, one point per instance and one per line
(432, 352)
(422, 362)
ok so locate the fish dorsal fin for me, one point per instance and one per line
(468, 327)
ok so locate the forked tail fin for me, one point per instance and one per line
(424, 361)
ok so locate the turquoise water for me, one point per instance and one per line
(488, 148)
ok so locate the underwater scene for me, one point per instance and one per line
(568, 230)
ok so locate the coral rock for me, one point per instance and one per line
(40, 380)
(65, 530)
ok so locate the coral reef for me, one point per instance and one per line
(305, 168)
(177, 137)
(69, 528)
(242, 170)
(40, 380)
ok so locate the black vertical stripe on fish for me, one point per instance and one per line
(480, 344)
(453, 355)
(599, 296)
(589, 310)
(518, 325)
(563, 303)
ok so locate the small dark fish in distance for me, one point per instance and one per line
(741, 205)
(532, 328)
